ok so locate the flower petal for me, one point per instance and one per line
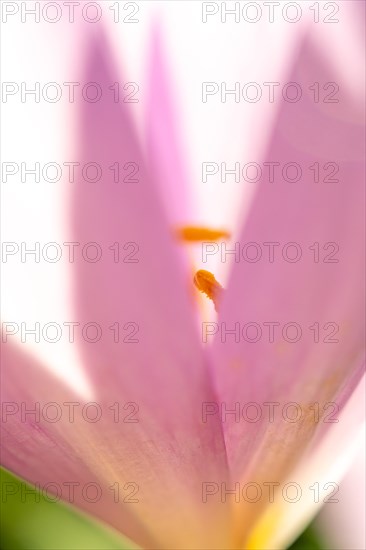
(164, 147)
(30, 520)
(316, 359)
(43, 440)
(317, 475)
(154, 364)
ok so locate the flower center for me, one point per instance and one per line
(204, 280)
(194, 234)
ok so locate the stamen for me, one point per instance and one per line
(198, 234)
(205, 282)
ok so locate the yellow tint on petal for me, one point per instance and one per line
(262, 534)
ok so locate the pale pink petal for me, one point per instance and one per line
(343, 525)
(305, 292)
(164, 146)
(318, 477)
(156, 362)
(43, 440)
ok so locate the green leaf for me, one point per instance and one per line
(38, 524)
(309, 540)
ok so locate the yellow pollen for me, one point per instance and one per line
(194, 234)
(205, 282)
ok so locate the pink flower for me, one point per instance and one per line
(172, 447)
